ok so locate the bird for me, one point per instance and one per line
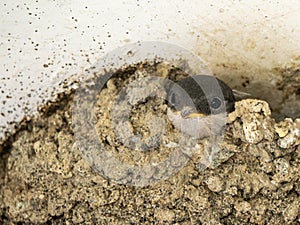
(198, 105)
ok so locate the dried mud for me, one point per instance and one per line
(254, 178)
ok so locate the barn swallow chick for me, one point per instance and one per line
(198, 105)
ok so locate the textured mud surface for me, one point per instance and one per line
(254, 179)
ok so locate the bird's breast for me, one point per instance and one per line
(198, 127)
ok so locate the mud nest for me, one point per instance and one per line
(254, 178)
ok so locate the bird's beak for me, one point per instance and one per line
(195, 115)
(239, 95)
(191, 115)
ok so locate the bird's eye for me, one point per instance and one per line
(215, 103)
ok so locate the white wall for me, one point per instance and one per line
(234, 37)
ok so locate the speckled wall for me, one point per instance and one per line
(45, 44)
